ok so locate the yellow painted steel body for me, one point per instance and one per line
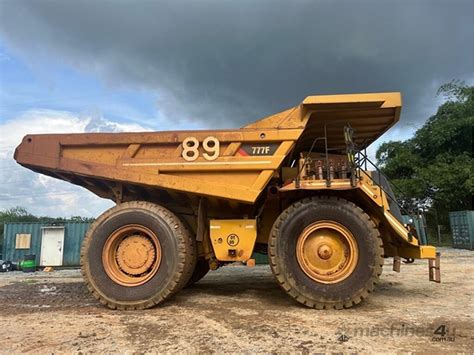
(239, 172)
(233, 239)
(244, 172)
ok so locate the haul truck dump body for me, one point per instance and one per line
(292, 185)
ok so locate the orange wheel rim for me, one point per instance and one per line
(327, 252)
(131, 255)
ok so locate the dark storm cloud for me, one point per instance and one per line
(230, 62)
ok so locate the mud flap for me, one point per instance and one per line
(434, 269)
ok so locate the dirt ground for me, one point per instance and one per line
(236, 309)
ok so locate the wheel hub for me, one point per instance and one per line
(324, 252)
(327, 252)
(135, 254)
(132, 255)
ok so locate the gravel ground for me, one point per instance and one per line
(236, 309)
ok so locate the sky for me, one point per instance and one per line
(95, 66)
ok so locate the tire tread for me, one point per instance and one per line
(186, 255)
(321, 303)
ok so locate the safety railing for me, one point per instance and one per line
(362, 164)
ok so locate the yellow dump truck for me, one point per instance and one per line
(295, 185)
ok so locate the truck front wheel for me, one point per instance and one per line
(326, 252)
(136, 255)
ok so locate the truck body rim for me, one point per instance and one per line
(131, 255)
(327, 252)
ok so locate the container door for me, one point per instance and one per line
(52, 243)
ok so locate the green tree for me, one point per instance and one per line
(435, 166)
(80, 219)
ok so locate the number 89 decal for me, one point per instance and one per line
(210, 145)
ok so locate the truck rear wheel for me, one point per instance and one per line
(201, 270)
(136, 255)
(325, 252)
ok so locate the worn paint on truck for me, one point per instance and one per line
(325, 220)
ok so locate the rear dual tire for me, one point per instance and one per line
(137, 255)
(325, 252)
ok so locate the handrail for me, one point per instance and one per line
(392, 184)
(360, 161)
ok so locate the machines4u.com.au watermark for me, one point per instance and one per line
(437, 333)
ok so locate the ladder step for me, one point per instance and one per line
(396, 263)
(434, 268)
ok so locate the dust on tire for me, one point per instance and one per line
(296, 283)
